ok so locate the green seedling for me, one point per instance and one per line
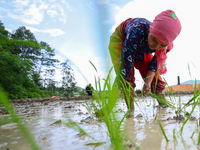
(15, 119)
(174, 136)
(163, 131)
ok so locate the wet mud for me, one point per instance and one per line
(44, 117)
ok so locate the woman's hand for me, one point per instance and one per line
(146, 89)
(147, 82)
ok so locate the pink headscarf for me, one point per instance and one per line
(161, 56)
(165, 27)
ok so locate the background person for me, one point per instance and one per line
(89, 90)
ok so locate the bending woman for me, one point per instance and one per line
(131, 47)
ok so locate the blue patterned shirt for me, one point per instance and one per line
(135, 44)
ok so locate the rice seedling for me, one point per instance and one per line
(161, 99)
(73, 125)
(193, 107)
(103, 107)
(15, 119)
(163, 131)
(106, 113)
(174, 136)
(195, 130)
(76, 127)
(140, 102)
(198, 143)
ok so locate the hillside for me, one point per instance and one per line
(191, 82)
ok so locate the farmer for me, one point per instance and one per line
(131, 46)
(89, 90)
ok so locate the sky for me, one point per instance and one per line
(79, 31)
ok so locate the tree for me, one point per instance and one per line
(20, 54)
(3, 31)
(68, 81)
(41, 54)
(27, 66)
(37, 79)
(14, 77)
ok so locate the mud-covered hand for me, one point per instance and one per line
(147, 82)
(146, 89)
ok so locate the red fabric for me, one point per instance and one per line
(161, 56)
(143, 66)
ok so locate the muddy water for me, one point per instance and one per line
(142, 127)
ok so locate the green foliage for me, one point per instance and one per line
(28, 67)
(68, 81)
(22, 61)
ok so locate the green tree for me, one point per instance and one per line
(41, 54)
(3, 31)
(20, 54)
(14, 77)
(68, 81)
(37, 79)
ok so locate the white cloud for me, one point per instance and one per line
(63, 20)
(67, 6)
(21, 3)
(63, 16)
(34, 11)
(53, 32)
(30, 13)
(52, 13)
(34, 15)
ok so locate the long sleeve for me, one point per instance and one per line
(133, 49)
(153, 64)
(135, 45)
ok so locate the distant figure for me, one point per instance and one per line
(88, 90)
(53, 97)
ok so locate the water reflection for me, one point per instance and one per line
(146, 135)
(144, 131)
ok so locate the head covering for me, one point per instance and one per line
(166, 26)
(161, 56)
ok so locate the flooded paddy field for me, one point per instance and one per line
(43, 119)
